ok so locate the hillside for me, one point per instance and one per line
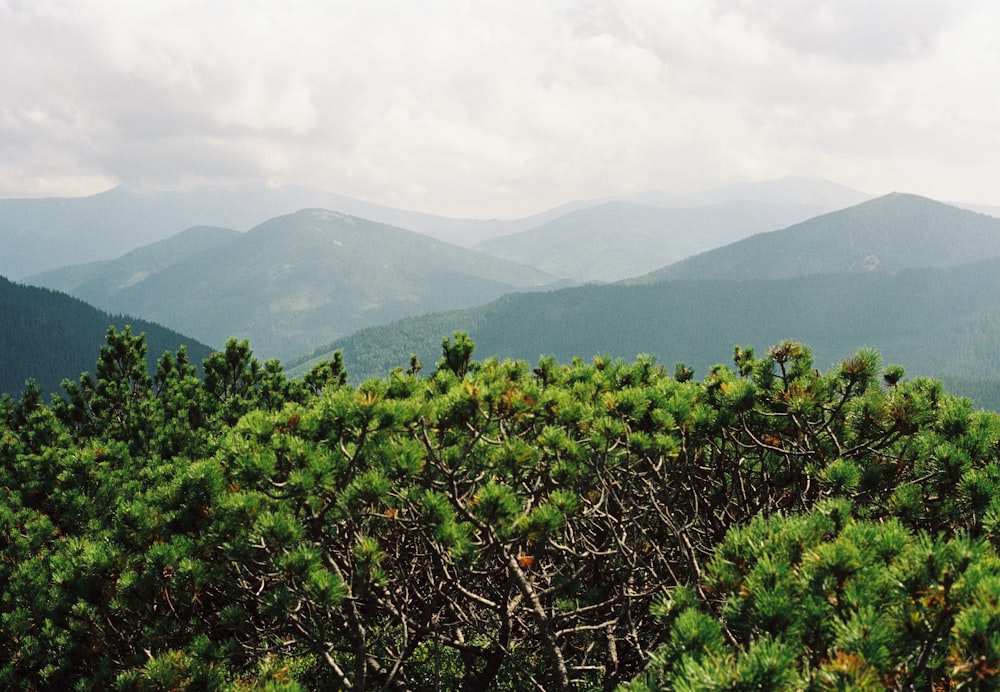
(41, 234)
(49, 336)
(940, 322)
(298, 281)
(97, 282)
(617, 240)
(888, 233)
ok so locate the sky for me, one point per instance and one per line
(499, 109)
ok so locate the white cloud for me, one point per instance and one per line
(861, 31)
(480, 108)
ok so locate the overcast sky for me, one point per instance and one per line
(500, 108)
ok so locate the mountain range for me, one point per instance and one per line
(892, 232)
(905, 274)
(41, 234)
(293, 282)
(925, 303)
(618, 240)
(298, 281)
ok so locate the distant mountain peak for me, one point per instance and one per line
(895, 231)
(296, 280)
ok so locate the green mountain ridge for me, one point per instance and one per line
(929, 301)
(297, 281)
(913, 316)
(97, 282)
(48, 336)
(890, 232)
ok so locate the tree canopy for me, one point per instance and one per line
(498, 525)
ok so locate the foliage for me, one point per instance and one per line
(824, 601)
(493, 525)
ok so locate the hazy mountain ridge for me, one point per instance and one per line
(617, 240)
(300, 280)
(887, 233)
(41, 234)
(96, 282)
(37, 235)
(49, 336)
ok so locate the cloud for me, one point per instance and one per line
(476, 108)
(848, 30)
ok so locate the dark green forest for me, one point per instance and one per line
(942, 323)
(47, 336)
(486, 524)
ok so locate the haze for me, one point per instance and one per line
(485, 109)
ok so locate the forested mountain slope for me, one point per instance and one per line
(97, 282)
(49, 336)
(888, 233)
(938, 321)
(41, 234)
(301, 280)
(617, 240)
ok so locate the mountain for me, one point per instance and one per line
(303, 279)
(937, 322)
(988, 209)
(811, 197)
(49, 336)
(892, 232)
(463, 232)
(41, 234)
(912, 277)
(97, 282)
(616, 240)
(37, 235)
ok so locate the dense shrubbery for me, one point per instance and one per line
(497, 525)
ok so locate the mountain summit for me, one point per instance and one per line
(300, 280)
(892, 232)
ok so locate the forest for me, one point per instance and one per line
(486, 524)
